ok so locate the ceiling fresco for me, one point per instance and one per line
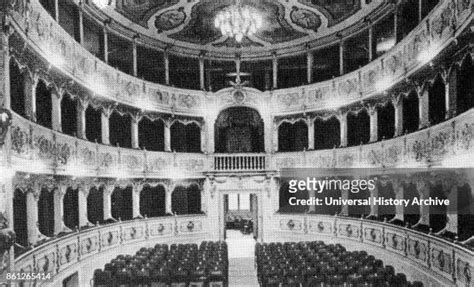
(189, 24)
(335, 10)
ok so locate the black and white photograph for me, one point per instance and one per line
(221, 143)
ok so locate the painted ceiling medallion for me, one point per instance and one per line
(238, 21)
(170, 19)
(305, 18)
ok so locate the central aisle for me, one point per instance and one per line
(241, 248)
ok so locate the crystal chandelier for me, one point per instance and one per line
(237, 21)
(101, 4)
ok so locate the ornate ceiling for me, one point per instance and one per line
(188, 25)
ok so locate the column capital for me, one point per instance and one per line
(109, 189)
(342, 114)
(136, 117)
(396, 100)
(108, 110)
(372, 109)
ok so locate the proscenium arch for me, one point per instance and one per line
(239, 129)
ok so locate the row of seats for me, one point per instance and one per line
(318, 264)
(178, 265)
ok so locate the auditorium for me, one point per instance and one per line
(208, 143)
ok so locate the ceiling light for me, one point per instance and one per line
(101, 4)
(238, 21)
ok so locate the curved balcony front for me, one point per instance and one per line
(44, 36)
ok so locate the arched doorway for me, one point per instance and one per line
(239, 129)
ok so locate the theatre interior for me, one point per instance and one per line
(143, 142)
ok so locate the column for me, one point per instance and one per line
(342, 117)
(341, 58)
(450, 80)
(374, 208)
(311, 194)
(135, 56)
(5, 67)
(267, 131)
(30, 96)
(34, 234)
(106, 43)
(452, 210)
(137, 188)
(56, 10)
(81, 107)
(167, 135)
(420, 10)
(167, 67)
(310, 123)
(310, 61)
(210, 120)
(203, 138)
(423, 189)
(275, 136)
(399, 190)
(345, 207)
(59, 210)
(423, 106)
(395, 23)
(108, 190)
(374, 127)
(81, 24)
(104, 120)
(56, 98)
(134, 126)
(371, 42)
(398, 105)
(82, 195)
(168, 207)
(275, 70)
(201, 72)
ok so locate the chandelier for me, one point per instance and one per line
(238, 20)
(101, 4)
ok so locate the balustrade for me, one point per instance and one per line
(239, 162)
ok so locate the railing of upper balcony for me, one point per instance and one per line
(45, 36)
(239, 162)
(37, 149)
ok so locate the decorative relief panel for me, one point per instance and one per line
(161, 229)
(395, 242)
(442, 260)
(418, 250)
(89, 245)
(320, 227)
